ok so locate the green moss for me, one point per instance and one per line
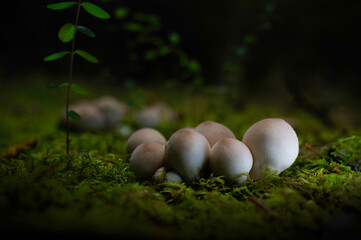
(97, 194)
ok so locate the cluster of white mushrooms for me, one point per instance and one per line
(107, 112)
(268, 144)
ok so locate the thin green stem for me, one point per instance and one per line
(70, 82)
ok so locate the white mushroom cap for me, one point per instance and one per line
(154, 114)
(144, 135)
(273, 144)
(161, 175)
(214, 131)
(113, 109)
(92, 119)
(187, 151)
(173, 177)
(146, 159)
(232, 159)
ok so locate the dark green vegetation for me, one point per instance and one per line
(319, 196)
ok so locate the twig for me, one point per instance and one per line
(313, 150)
(45, 172)
(267, 210)
(97, 157)
(18, 148)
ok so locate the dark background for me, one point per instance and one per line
(307, 50)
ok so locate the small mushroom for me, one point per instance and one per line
(187, 152)
(273, 144)
(214, 131)
(232, 159)
(161, 175)
(173, 177)
(154, 114)
(146, 159)
(92, 119)
(144, 135)
(113, 110)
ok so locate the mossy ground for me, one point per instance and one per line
(319, 196)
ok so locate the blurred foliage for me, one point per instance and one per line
(152, 52)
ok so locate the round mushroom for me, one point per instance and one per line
(146, 159)
(187, 152)
(214, 131)
(173, 177)
(161, 175)
(232, 159)
(113, 110)
(92, 119)
(273, 144)
(154, 114)
(144, 135)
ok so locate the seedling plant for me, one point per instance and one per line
(66, 34)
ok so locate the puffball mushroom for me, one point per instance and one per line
(161, 175)
(232, 159)
(273, 144)
(144, 135)
(187, 152)
(113, 110)
(154, 114)
(146, 159)
(214, 131)
(92, 119)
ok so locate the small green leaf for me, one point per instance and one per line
(61, 5)
(133, 27)
(58, 85)
(56, 56)
(74, 87)
(241, 50)
(79, 90)
(120, 12)
(87, 56)
(194, 66)
(95, 10)
(73, 115)
(66, 32)
(164, 50)
(249, 39)
(86, 31)
(174, 38)
(150, 55)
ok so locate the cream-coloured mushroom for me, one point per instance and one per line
(187, 152)
(92, 119)
(113, 110)
(161, 175)
(144, 135)
(232, 159)
(146, 159)
(214, 131)
(173, 177)
(273, 144)
(154, 114)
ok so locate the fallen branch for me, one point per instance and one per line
(18, 148)
(313, 150)
(267, 210)
(94, 156)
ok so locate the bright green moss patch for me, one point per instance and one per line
(96, 194)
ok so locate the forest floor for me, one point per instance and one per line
(318, 197)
